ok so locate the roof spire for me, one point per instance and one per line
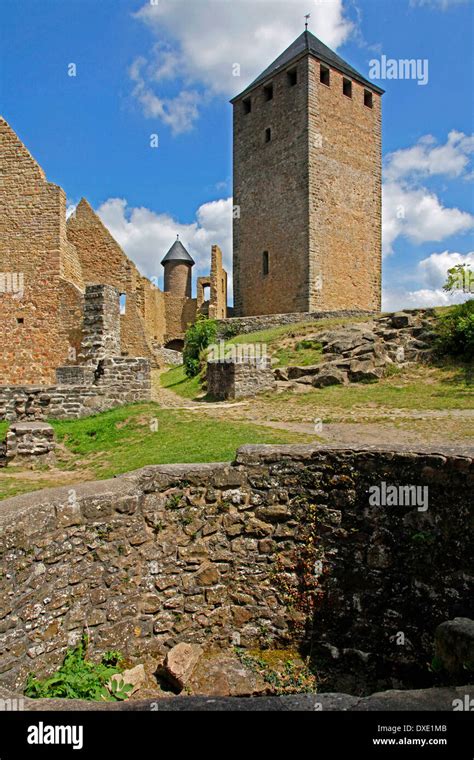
(307, 17)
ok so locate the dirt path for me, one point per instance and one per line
(362, 424)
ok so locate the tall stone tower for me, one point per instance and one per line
(178, 266)
(307, 186)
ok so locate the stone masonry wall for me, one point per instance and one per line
(280, 547)
(101, 326)
(120, 380)
(243, 325)
(271, 191)
(36, 333)
(310, 196)
(345, 195)
(239, 379)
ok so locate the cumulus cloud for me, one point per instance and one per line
(146, 236)
(419, 216)
(179, 112)
(412, 211)
(217, 47)
(432, 273)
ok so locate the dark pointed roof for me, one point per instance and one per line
(308, 43)
(178, 252)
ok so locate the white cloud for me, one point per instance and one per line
(146, 236)
(179, 112)
(426, 158)
(434, 268)
(432, 272)
(417, 214)
(413, 211)
(210, 36)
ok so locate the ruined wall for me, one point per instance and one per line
(271, 191)
(121, 380)
(218, 281)
(345, 195)
(179, 314)
(280, 547)
(231, 379)
(103, 261)
(35, 327)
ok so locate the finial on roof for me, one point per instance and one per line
(307, 17)
(177, 237)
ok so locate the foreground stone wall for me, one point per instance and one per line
(281, 546)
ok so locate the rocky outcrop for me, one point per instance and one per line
(361, 352)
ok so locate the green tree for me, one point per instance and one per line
(198, 337)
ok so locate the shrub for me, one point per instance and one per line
(198, 337)
(456, 331)
(79, 678)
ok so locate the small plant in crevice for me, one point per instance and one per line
(175, 501)
(284, 671)
(80, 678)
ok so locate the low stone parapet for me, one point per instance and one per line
(30, 444)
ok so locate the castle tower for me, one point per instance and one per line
(307, 186)
(178, 266)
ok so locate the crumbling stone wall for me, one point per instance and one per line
(281, 547)
(118, 381)
(30, 444)
(239, 378)
(35, 331)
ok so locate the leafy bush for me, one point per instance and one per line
(456, 331)
(198, 337)
(79, 678)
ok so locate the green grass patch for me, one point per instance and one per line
(131, 437)
(3, 430)
(391, 394)
(175, 379)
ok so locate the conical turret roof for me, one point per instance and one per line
(178, 252)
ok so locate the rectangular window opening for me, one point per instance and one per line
(292, 77)
(268, 92)
(20, 320)
(347, 88)
(247, 105)
(123, 303)
(268, 134)
(265, 263)
(368, 99)
(324, 75)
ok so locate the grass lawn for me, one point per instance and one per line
(417, 388)
(133, 436)
(176, 381)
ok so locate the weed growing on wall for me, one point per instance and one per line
(79, 678)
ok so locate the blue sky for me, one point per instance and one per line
(166, 68)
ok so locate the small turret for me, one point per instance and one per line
(178, 266)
